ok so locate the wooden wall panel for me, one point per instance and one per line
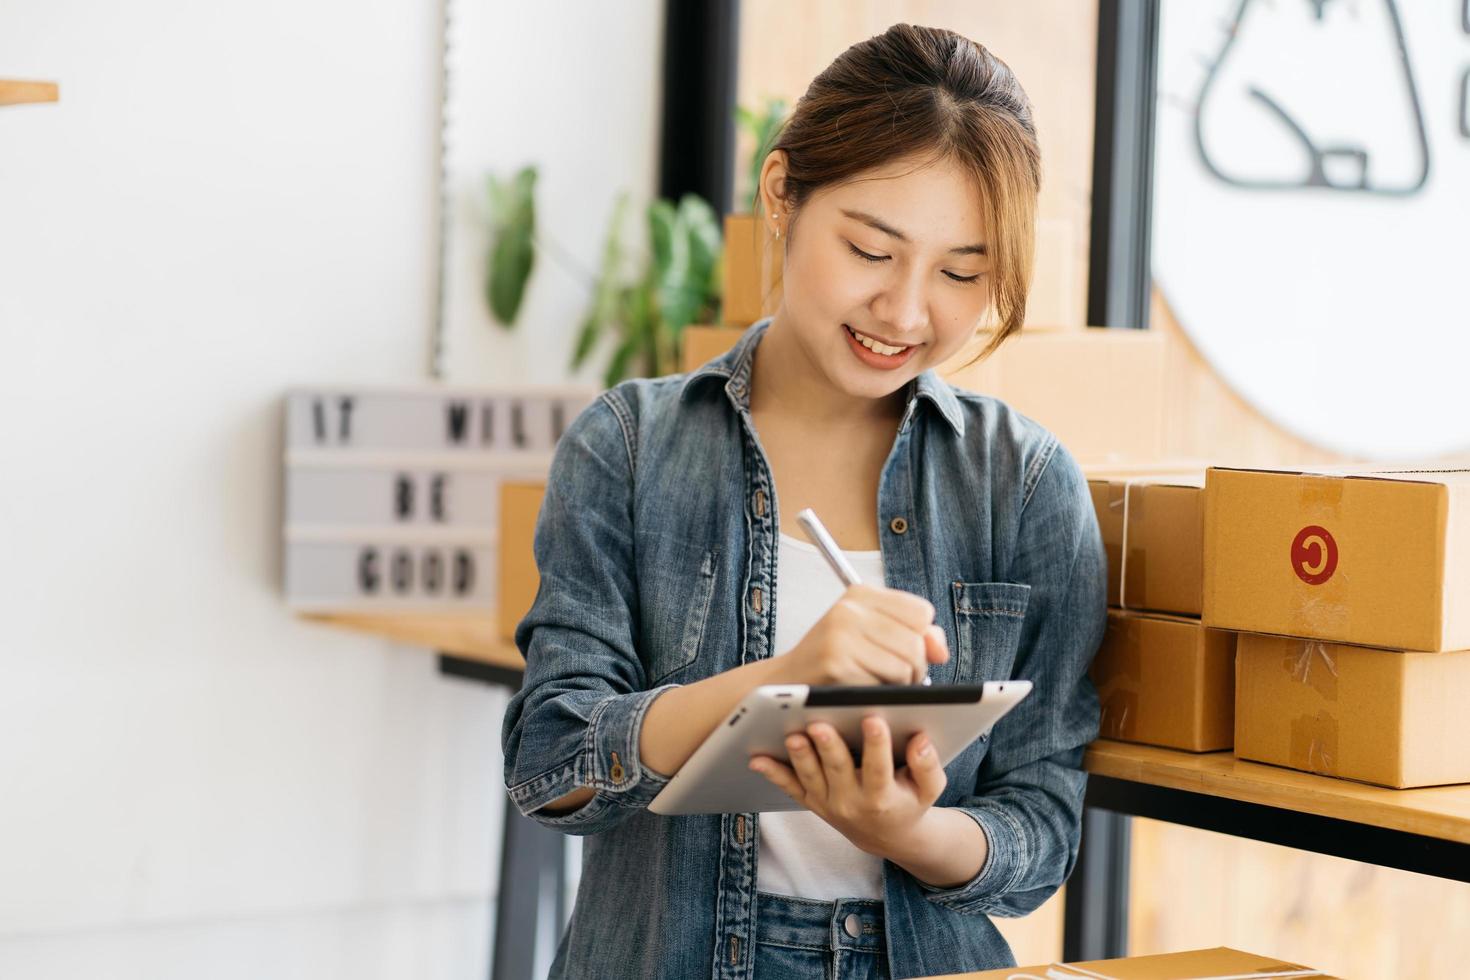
(1190, 888)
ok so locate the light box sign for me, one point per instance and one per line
(1311, 215)
(392, 494)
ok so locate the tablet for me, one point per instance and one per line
(717, 777)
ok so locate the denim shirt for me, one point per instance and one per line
(656, 546)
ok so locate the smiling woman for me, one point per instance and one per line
(911, 168)
(974, 129)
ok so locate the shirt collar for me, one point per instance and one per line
(735, 366)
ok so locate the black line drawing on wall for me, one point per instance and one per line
(1260, 123)
(1465, 101)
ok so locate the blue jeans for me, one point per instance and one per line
(802, 937)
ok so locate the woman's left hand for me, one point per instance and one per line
(871, 805)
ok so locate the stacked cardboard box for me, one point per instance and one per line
(1162, 677)
(1100, 391)
(520, 505)
(1352, 591)
(1222, 962)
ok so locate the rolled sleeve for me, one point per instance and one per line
(1005, 856)
(576, 721)
(610, 764)
(1030, 786)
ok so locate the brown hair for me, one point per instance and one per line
(914, 89)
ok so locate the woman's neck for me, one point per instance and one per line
(785, 382)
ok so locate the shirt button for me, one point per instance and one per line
(898, 525)
(853, 925)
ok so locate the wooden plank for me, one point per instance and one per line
(475, 636)
(1436, 811)
(16, 92)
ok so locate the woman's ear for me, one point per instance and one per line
(772, 206)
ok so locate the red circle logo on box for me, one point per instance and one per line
(1314, 554)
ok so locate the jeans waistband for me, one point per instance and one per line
(805, 923)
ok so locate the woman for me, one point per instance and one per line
(674, 580)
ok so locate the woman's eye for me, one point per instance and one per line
(963, 280)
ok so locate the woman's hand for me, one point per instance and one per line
(872, 806)
(871, 635)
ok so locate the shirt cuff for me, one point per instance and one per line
(609, 764)
(612, 762)
(1005, 859)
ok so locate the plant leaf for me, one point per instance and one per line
(604, 310)
(764, 127)
(512, 250)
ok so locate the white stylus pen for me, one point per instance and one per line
(813, 527)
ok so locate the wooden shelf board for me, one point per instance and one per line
(16, 92)
(475, 636)
(1442, 812)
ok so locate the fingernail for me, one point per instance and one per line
(870, 727)
(795, 744)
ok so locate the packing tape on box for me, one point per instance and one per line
(1314, 615)
(1314, 743)
(1119, 715)
(1310, 662)
(1125, 502)
(1319, 498)
(1319, 493)
(1119, 708)
(1066, 971)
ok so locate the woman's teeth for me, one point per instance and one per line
(873, 345)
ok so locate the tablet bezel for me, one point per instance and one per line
(717, 778)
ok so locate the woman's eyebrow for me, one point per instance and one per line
(883, 226)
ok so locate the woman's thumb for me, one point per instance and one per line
(936, 645)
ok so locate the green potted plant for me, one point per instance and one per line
(642, 301)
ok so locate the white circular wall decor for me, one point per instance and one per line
(1311, 212)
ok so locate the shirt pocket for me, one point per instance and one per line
(678, 586)
(988, 618)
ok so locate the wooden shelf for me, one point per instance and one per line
(16, 92)
(1441, 812)
(475, 636)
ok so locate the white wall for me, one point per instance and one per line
(231, 198)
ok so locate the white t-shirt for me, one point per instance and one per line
(800, 853)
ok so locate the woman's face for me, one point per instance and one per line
(898, 257)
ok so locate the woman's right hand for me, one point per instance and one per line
(871, 635)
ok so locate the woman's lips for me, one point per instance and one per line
(883, 362)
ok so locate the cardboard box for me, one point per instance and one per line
(1166, 680)
(1372, 558)
(1052, 301)
(1222, 961)
(752, 271)
(520, 504)
(1153, 530)
(700, 344)
(1100, 391)
(1388, 717)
